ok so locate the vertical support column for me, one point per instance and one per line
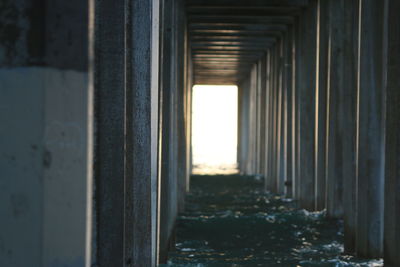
(68, 104)
(257, 122)
(188, 84)
(307, 106)
(350, 124)
(181, 114)
(268, 131)
(336, 112)
(371, 129)
(392, 168)
(253, 159)
(263, 108)
(281, 176)
(273, 186)
(168, 198)
(110, 137)
(46, 142)
(342, 85)
(321, 104)
(296, 111)
(240, 145)
(141, 137)
(289, 112)
(244, 97)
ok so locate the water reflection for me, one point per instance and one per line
(231, 221)
(207, 169)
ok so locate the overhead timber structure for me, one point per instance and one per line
(95, 119)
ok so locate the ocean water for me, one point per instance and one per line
(230, 221)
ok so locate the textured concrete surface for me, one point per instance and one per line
(46, 172)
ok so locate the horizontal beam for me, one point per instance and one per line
(241, 34)
(223, 61)
(245, 3)
(197, 39)
(224, 57)
(231, 48)
(243, 28)
(229, 20)
(245, 11)
(232, 44)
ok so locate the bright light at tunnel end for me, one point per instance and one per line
(214, 129)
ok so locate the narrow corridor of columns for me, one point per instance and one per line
(96, 136)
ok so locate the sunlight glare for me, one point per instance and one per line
(214, 129)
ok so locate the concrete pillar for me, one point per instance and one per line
(392, 173)
(268, 130)
(338, 139)
(296, 113)
(281, 170)
(370, 145)
(141, 133)
(289, 112)
(181, 106)
(46, 104)
(273, 185)
(169, 186)
(253, 115)
(350, 167)
(307, 96)
(256, 117)
(110, 132)
(342, 90)
(188, 84)
(263, 108)
(321, 104)
(240, 145)
(244, 98)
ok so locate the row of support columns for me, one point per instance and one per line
(95, 149)
(330, 84)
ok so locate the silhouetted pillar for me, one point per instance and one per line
(280, 121)
(371, 130)
(110, 132)
(321, 104)
(392, 169)
(141, 133)
(338, 140)
(169, 183)
(274, 111)
(268, 130)
(244, 102)
(289, 113)
(263, 108)
(341, 173)
(307, 96)
(347, 122)
(296, 113)
(181, 106)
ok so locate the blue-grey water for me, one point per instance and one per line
(231, 221)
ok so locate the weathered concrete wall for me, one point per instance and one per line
(392, 155)
(321, 104)
(46, 153)
(371, 106)
(244, 125)
(307, 94)
(110, 132)
(176, 97)
(22, 160)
